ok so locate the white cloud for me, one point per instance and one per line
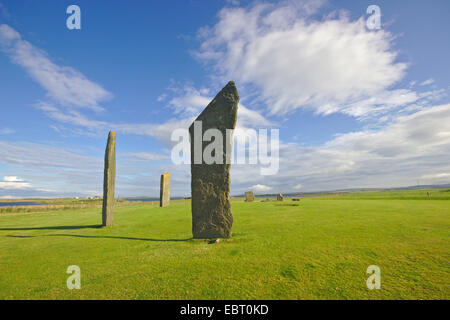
(260, 188)
(189, 102)
(70, 116)
(92, 127)
(427, 82)
(233, 2)
(251, 118)
(33, 155)
(147, 156)
(426, 132)
(68, 87)
(334, 65)
(8, 34)
(161, 132)
(375, 105)
(65, 172)
(54, 171)
(7, 131)
(64, 85)
(7, 197)
(14, 183)
(186, 104)
(410, 148)
(12, 179)
(443, 175)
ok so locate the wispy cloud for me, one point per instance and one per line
(427, 82)
(14, 183)
(147, 156)
(260, 188)
(437, 176)
(12, 179)
(48, 171)
(189, 102)
(64, 85)
(7, 130)
(410, 148)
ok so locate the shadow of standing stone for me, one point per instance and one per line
(109, 179)
(164, 195)
(210, 182)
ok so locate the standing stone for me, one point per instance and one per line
(210, 183)
(164, 195)
(109, 179)
(280, 197)
(249, 196)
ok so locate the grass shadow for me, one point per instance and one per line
(95, 226)
(288, 205)
(102, 237)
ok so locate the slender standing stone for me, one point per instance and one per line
(249, 196)
(109, 180)
(164, 195)
(210, 183)
(280, 197)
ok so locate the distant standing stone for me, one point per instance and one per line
(280, 197)
(249, 196)
(210, 183)
(109, 179)
(164, 196)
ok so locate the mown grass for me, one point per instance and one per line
(319, 249)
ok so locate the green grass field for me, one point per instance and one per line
(318, 248)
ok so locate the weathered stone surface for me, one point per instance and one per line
(210, 183)
(109, 179)
(280, 197)
(249, 196)
(164, 196)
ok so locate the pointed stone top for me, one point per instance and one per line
(221, 112)
(112, 133)
(230, 88)
(230, 84)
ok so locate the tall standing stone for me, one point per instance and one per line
(280, 197)
(109, 179)
(249, 196)
(210, 183)
(164, 195)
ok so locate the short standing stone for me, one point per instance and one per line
(210, 182)
(280, 197)
(164, 196)
(109, 180)
(249, 196)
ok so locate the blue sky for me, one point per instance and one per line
(354, 107)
